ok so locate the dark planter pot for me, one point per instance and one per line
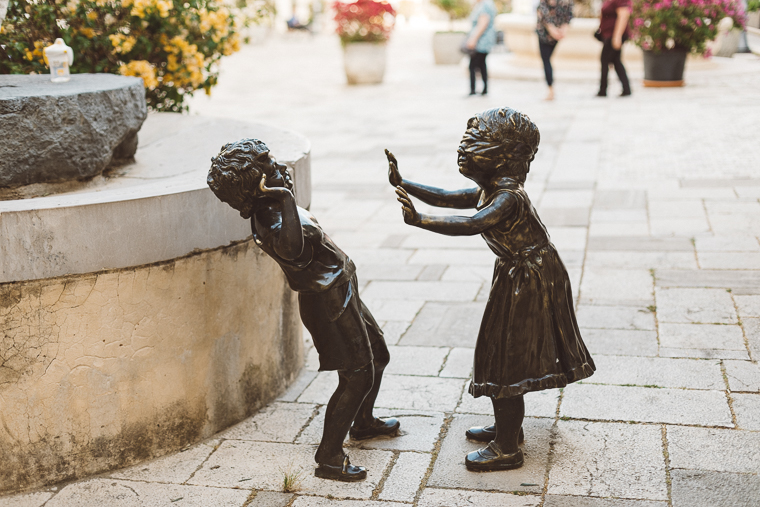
(664, 68)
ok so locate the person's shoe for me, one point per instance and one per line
(378, 428)
(484, 92)
(472, 92)
(488, 433)
(626, 93)
(491, 458)
(601, 94)
(345, 473)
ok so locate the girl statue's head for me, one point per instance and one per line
(235, 174)
(501, 141)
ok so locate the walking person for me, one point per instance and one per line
(614, 31)
(480, 40)
(553, 18)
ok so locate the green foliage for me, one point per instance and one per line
(753, 5)
(173, 47)
(456, 9)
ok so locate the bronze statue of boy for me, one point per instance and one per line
(345, 334)
(529, 338)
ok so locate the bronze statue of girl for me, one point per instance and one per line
(529, 338)
(345, 334)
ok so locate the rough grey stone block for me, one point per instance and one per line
(747, 409)
(434, 497)
(67, 131)
(713, 489)
(714, 449)
(587, 501)
(620, 342)
(446, 324)
(405, 477)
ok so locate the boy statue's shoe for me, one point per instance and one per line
(377, 429)
(491, 458)
(488, 433)
(346, 472)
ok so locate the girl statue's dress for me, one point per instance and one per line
(529, 338)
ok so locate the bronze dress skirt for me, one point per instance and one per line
(529, 338)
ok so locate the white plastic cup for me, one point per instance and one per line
(59, 58)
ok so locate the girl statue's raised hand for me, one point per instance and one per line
(529, 338)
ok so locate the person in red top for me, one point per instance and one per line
(614, 30)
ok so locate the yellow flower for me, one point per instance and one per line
(101, 3)
(143, 69)
(164, 7)
(28, 55)
(92, 15)
(87, 32)
(121, 43)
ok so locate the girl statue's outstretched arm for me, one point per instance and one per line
(459, 199)
(496, 212)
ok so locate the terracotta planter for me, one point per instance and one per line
(447, 47)
(364, 62)
(664, 69)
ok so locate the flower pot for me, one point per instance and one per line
(447, 47)
(364, 62)
(665, 68)
(753, 39)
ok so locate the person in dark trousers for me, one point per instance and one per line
(553, 19)
(614, 31)
(481, 39)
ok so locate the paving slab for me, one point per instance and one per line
(36, 499)
(264, 465)
(461, 273)
(705, 306)
(100, 492)
(608, 459)
(747, 410)
(434, 497)
(738, 280)
(315, 501)
(629, 287)
(727, 244)
(714, 449)
(174, 468)
(429, 291)
(729, 260)
(587, 501)
(748, 306)
(411, 360)
(302, 382)
(458, 363)
(406, 476)
(398, 272)
(620, 199)
(451, 256)
(706, 337)
(639, 244)
(537, 404)
(568, 238)
(450, 472)
(449, 325)
(615, 317)
(270, 499)
(393, 330)
(620, 342)
(743, 376)
(612, 229)
(277, 422)
(752, 332)
(645, 404)
(320, 389)
(419, 393)
(641, 260)
(714, 489)
(393, 309)
(660, 372)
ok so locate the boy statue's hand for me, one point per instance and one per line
(394, 176)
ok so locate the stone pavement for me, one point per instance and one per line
(653, 203)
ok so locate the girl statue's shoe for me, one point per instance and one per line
(490, 458)
(488, 433)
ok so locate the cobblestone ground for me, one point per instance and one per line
(652, 202)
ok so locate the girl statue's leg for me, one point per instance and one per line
(353, 387)
(366, 425)
(503, 453)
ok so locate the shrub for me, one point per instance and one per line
(364, 21)
(456, 9)
(686, 24)
(173, 46)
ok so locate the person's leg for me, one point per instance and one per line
(484, 73)
(365, 418)
(546, 51)
(473, 66)
(620, 70)
(606, 59)
(353, 386)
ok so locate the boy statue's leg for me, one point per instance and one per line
(366, 425)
